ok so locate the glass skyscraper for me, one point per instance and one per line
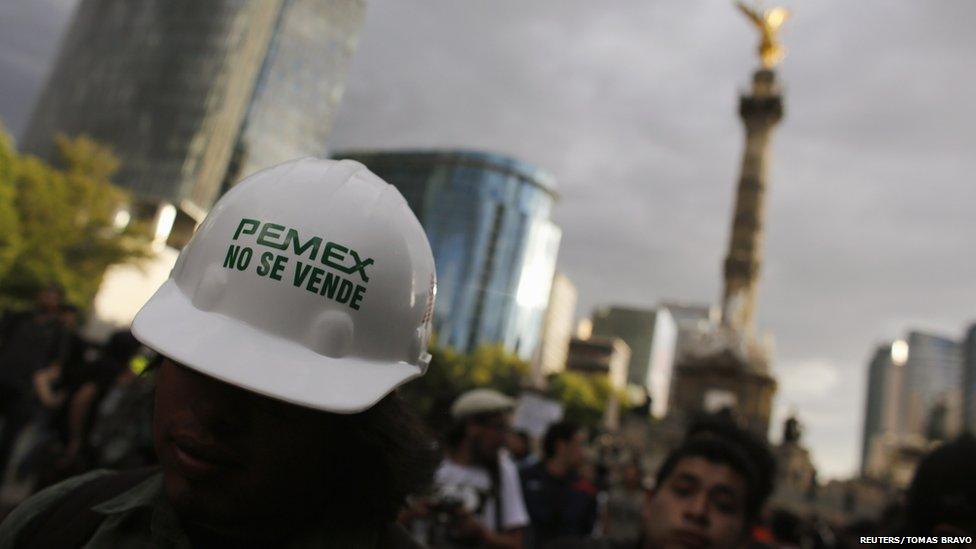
(487, 219)
(180, 88)
(301, 82)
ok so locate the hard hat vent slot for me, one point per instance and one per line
(332, 334)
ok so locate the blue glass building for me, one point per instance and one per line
(487, 219)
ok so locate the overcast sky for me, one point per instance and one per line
(632, 106)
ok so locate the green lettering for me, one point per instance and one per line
(314, 280)
(329, 254)
(279, 265)
(244, 259)
(360, 265)
(253, 223)
(300, 248)
(345, 291)
(301, 271)
(268, 230)
(357, 297)
(231, 257)
(330, 285)
(265, 265)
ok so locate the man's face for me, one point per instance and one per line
(488, 436)
(229, 456)
(700, 504)
(517, 445)
(572, 452)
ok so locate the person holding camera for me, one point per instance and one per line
(477, 484)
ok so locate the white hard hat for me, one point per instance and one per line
(310, 282)
(481, 401)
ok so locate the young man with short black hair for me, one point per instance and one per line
(708, 494)
(561, 505)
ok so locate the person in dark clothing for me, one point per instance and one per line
(560, 503)
(29, 343)
(941, 500)
(84, 390)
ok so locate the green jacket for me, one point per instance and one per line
(142, 517)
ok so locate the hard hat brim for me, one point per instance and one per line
(236, 353)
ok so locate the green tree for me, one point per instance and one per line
(584, 397)
(10, 232)
(452, 373)
(65, 215)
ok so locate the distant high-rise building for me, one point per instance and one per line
(636, 328)
(604, 356)
(664, 347)
(487, 219)
(882, 400)
(690, 319)
(969, 379)
(931, 395)
(168, 84)
(557, 330)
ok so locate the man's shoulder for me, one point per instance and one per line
(21, 517)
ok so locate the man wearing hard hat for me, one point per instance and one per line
(480, 476)
(302, 301)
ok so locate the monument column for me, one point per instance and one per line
(760, 111)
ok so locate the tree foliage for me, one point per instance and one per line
(61, 222)
(452, 373)
(584, 397)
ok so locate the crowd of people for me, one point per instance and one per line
(490, 490)
(72, 405)
(258, 407)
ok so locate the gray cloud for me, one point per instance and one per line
(632, 107)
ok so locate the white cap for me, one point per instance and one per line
(310, 282)
(481, 401)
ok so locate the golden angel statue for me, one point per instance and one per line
(768, 22)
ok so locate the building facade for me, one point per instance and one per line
(487, 218)
(168, 85)
(301, 83)
(881, 406)
(557, 330)
(931, 394)
(602, 356)
(636, 328)
(969, 380)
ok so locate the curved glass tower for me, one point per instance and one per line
(487, 219)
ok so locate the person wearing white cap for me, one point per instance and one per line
(479, 473)
(302, 301)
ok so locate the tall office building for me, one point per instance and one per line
(557, 330)
(487, 220)
(636, 328)
(931, 395)
(969, 379)
(167, 84)
(301, 83)
(664, 350)
(882, 399)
